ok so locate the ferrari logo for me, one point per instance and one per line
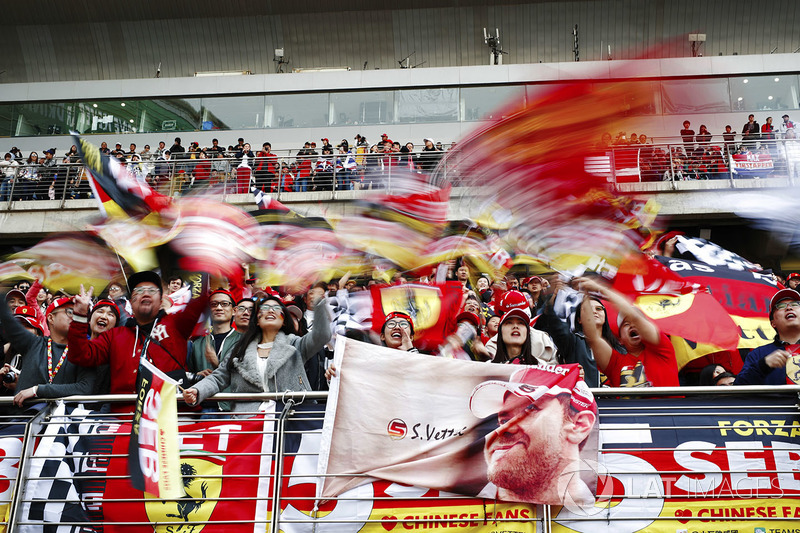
(202, 484)
(422, 304)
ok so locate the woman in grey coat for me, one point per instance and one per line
(268, 358)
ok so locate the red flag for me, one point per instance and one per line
(432, 308)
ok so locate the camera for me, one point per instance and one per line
(10, 378)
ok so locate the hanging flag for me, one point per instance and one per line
(459, 426)
(153, 457)
(705, 251)
(432, 308)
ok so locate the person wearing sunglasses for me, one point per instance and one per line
(161, 338)
(270, 357)
(777, 363)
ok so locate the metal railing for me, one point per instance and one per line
(328, 177)
(633, 423)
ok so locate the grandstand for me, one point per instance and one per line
(212, 77)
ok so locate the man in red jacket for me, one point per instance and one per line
(150, 333)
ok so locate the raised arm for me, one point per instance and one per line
(648, 331)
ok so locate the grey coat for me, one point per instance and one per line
(284, 372)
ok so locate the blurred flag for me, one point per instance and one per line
(67, 260)
(117, 190)
(744, 295)
(213, 237)
(531, 163)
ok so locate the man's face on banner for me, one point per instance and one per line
(524, 454)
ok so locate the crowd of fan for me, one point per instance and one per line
(268, 340)
(177, 168)
(700, 157)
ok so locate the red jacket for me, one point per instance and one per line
(121, 347)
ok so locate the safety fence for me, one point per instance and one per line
(679, 459)
(287, 172)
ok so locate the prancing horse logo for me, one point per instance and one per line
(202, 484)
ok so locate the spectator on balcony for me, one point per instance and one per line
(214, 149)
(634, 139)
(131, 151)
(29, 179)
(104, 148)
(266, 169)
(162, 147)
(430, 156)
(202, 171)
(766, 365)
(621, 140)
(687, 135)
(642, 138)
(177, 150)
(785, 126)
(146, 154)
(768, 130)
(322, 179)
(703, 136)
(71, 156)
(649, 359)
(8, 171)
(729, 138)
(750, 130)
(605, 141)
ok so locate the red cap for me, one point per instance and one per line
(534, 383)
(528, 280)
(26, 311)
(792, 276)
(32, 322)
(783, 294)
(226, 293)
(398, 314)
(105, 302)
(522, 314)
(57, 304)
(513, 300)
(470, 317)
(384, 135)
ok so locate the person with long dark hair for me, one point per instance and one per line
(572, 344)
(269, 358)
(513, 345)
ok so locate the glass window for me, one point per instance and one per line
(486, 103)
(764, 93)
(7, 121)
(169, 114)
(233, 113)
(534, 92)
(296, 110)
(43, 118)
(638, 98)
(695, 96)
(427, 105)
(356, 108)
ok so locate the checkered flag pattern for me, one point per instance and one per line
(51, 502)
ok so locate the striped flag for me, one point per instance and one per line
(153, 456)
(119, 192)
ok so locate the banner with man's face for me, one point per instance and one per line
(505, 432)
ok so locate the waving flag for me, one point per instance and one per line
(65, 261)
(153, 457)
(744, 295)
(119, 191)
